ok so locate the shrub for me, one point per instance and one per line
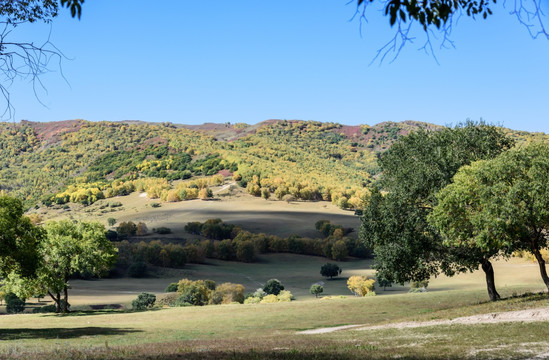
(144, 301)
(284, 296)
(268, 299)
(111, 221)
(419, 286)
(273, 287)
(14, 305)
(137, 270)
(141, 229)
(155, 205)
(330, 270)
(126, 229)
(245, 251)
(339, 250)
(111, 235)
(227, 293)
(194, 227)
(171, 288)
(45, 309)
(316, 289)
(162, 230)
(361, 285)
(193, 293)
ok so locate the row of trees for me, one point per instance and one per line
(38, 260)
(454, 200)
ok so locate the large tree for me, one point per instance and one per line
(19, 239)
(501, 203)
(414, 169)
(72, 248)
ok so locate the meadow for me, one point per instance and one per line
(272, 330)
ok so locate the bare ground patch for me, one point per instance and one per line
(531, 315)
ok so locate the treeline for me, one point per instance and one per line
(229, 242)
(156, 188)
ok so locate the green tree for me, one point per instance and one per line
(316, 289)
(19, 239)
(70, 248)
(500, 204)
(273, 287)
(144, 301)
(14, 304)
(415, 168)
(330, 270)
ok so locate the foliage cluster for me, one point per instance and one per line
(361, 285)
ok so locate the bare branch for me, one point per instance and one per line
(24, 61)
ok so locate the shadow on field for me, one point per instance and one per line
(61, 333)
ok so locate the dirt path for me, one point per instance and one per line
(531, 315)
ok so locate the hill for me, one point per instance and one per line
(82, 161)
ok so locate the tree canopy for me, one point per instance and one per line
(19, 239)
(502, 204)
(72, 248)
(414, 169)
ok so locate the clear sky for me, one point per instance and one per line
(196, 61)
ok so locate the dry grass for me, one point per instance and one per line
(239, 208)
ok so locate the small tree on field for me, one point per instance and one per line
(330, 270)
(273, 287)
(316, 289)
(144, 301)
(126, 229)
(111, 221)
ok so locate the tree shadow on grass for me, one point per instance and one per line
(61, 333)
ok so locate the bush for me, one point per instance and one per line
(361, 285)
(144, 301)
(14, 305)
(194, 293)
(268, 299)
(273, 287)
(141, 229)
(316, 289)
(194, 227)
(111, 235)
(155, 205)
(245, 251)
(126, 229)
(45, 309)
(111, 221)
(137, 270)
(171, 288)
(419, 286)
(330, 270)
(162, 230)
(284, 296)
(227, 293)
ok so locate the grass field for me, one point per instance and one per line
(270, 330)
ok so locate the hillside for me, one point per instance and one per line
(82, 161)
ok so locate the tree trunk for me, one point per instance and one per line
(490, 283)
(57, 301)
(542, 269)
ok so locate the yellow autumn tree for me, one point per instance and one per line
(361, 285)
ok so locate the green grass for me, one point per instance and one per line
(270, 329)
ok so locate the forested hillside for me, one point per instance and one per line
(81, 161)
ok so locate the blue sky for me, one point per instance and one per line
(247, 61)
